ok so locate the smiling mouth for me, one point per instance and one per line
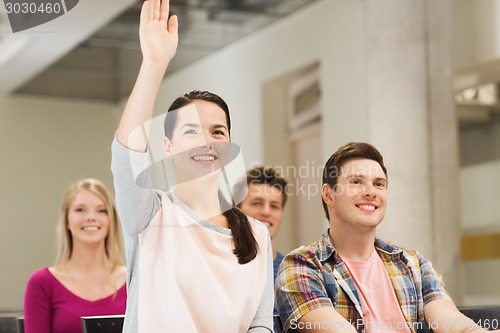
(367, 207)
(204, 158)
(91, 228)
(267, 224)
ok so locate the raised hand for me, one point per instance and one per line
(159, 39)
(158, 34)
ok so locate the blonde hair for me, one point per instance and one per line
(114, 240)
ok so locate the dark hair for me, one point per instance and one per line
(265, 175)
(245, 244)
(188, 98)
(345, 153)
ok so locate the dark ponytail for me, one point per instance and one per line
(245, 244)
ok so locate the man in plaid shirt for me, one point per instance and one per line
(352, 281)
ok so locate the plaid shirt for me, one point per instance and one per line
(301, 286)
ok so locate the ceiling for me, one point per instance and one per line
(92, 52)
(101, 62)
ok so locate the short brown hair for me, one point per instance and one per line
(265, 175)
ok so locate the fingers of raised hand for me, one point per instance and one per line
(145, 11)
(173, 25)
(155, 10)
(164, 9)
(150, 9)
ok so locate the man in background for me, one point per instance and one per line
(265, 201)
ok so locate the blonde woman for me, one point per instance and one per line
(89, 276)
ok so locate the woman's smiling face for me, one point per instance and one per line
(88, 219)
(199, 141)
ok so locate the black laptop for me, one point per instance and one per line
(102, 324)
(20, 324)
(9, 323)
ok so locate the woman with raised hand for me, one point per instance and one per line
(89, 276)
(195, 262)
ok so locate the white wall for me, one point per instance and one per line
(46, 145)
(476, 26)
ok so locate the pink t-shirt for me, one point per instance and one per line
(381, 310)
(51, 308)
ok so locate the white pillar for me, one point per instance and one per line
(411, 119)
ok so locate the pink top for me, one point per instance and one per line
(381, 310)
(51, 308)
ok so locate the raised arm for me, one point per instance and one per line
(159, 38)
